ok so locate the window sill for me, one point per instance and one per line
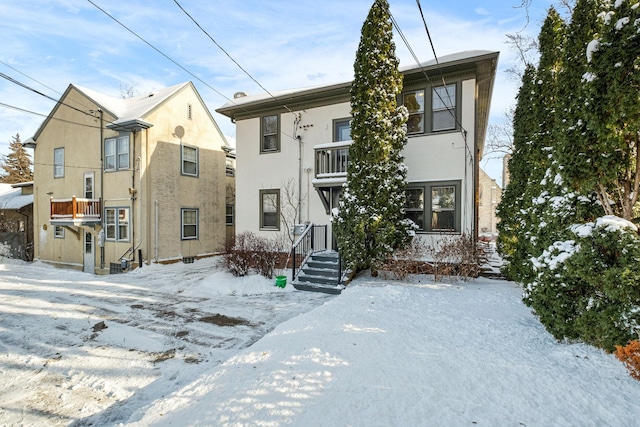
(439, 233)
(433, 132)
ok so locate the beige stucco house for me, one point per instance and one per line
(303, 136)
(489, 196)
(120, 182)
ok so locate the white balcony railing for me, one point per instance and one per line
(332, 159)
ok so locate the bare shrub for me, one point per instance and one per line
(458, 257)
(252, 253)
(403, 262)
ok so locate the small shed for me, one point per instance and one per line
(16, 221)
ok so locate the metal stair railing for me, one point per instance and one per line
(313, 239)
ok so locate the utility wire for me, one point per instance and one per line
(433, 49)
(22, 110)
(180, 66)
(227, 53)
(12, 80)
(30, 78)
(161, 53)
(424, 72)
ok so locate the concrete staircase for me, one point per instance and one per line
(320, 274)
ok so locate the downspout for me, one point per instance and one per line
(299, 138)
(156, 233)
(145, 215)
(102, 187)
(133, 199)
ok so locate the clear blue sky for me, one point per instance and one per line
(283, 44)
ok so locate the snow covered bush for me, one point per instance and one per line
(588, 288)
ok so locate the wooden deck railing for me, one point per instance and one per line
(75, 209)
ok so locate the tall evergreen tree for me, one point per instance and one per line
(575, 138)
(17, 165)
(533, 142)
(537, 233)
(512, 223)
(370, 223)
(614, 113)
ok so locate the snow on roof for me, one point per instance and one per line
(442, 61)
(127, 109)
(12, 198)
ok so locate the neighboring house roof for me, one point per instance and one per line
(128, 109)
(12, 198)
(129, 112)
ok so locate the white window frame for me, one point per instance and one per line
(185, 160)
(58, 162)
(116, 153)
(195, 224)
(58, 232)
(229, 214)
(116, 224)
(89, 185)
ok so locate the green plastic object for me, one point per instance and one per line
(281, 281)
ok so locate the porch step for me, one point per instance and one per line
(320, 274)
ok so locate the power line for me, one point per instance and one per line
(161, 53)
(227, 53)
(422, 69)
(22, 110)
(30, 78)
(182, 67)
(14, 81)
(433, 49)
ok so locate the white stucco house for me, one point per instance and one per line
(302, 136)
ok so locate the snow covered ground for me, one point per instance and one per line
(192, 345)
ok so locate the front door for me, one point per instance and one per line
(89, 253)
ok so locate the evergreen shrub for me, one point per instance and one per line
(588, 288)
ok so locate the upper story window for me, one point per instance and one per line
(58, 162)
(444, 107)
(270, 141)
(414, 101)
(342, 130)
(189, 112)
(116, 153)
(189, 160)
(443, 112)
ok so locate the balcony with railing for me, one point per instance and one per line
(331, 161)
(75, 211)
